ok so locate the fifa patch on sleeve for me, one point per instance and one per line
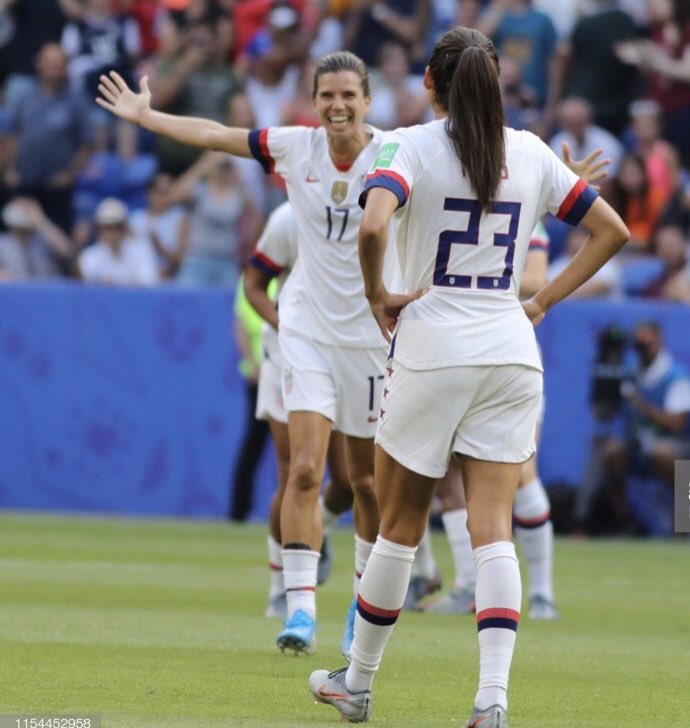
(385, 156)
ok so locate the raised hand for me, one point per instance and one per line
(591, 169)
(118, 98)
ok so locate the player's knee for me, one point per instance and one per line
(304, 475)
(363, 486)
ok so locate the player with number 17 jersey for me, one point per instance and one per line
(470, 259)
(324, 298)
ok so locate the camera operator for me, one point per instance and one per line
(656, 411)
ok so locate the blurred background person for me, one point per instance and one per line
(673, 250)
(53, 138)
(117, 257)
(32, 247)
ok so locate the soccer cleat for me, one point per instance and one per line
(542, 608)
(420, 587)
(459, 600)
(325, 566)
(277, 606)
(492, 717)
(329, 687)
(299, 634)
(349, 631)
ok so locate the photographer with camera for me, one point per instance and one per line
(653, 407)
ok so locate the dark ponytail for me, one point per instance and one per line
(464, 68)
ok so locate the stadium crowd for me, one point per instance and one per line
(85, 195)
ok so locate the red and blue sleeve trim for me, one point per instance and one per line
(539, 244)
(265, 264)
(576, 204)
(258, 145)
(376, 615)
(388, 180)
(498, 619)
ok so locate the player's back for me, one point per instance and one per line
(470, 259)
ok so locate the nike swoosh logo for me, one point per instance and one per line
(332, 695)
(312, 179)
(372, 419)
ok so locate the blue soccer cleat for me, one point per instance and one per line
(299, 634)
(349, 631)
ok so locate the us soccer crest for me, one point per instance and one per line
(339, 191)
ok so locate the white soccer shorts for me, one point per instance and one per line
(269, 397)
(342, 384)
(486, 412)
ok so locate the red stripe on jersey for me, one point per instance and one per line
(263, 143)
(393, 175)
(268, 262)
(498, 612)
(571, 199)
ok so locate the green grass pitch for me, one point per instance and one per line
(158, 624)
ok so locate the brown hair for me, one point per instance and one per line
(464, 67)
(341, 61)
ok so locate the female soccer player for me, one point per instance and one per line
(332, 348)
(465, 374)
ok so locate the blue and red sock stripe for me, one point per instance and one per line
(576, 204)
(498, 618)
(258, 145)
(300, 588)
(389, 180)
(535, 522)
(376, 615)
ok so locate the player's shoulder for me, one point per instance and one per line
(282, 215)
(525, 148)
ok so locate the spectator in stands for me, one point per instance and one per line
(33, 246)
(605, 282)
(672, 248)
(528, 36)
(582, 135)
(36, 23)
(53, 138)
(398, 97)
(657, 413)
(639, 204)
(666, 61)
(117, 257)
(164, 225)
(371, 23)
(661, 159)
(272, 60)
(519, 102)
(99, 41)
(596, 74)
(197, 82)
(222, 217)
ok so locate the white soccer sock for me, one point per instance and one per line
(362, 552)
(381, 596)
(455, 523)
(498, 594)
(424, 561)
(299, 575)
(275, 564)
(327, 516)
(534, 529)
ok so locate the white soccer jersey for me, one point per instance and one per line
(325, 299)
(275, 255)
(470, 260)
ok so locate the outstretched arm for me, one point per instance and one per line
(119, 99)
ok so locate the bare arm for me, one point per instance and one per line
(119, 99)
(608, 235)
(492, 17)
(182, 187)
(256, 284)
(373, 238)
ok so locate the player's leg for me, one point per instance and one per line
(534, 531)
(277, 601)
(426, 576)
(300, 526)
(405, 499)
(450, 491)
(335, 500)
(495, 437)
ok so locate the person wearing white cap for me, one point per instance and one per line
(117, 257)
(33, 246)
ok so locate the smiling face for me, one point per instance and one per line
(340, 102)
